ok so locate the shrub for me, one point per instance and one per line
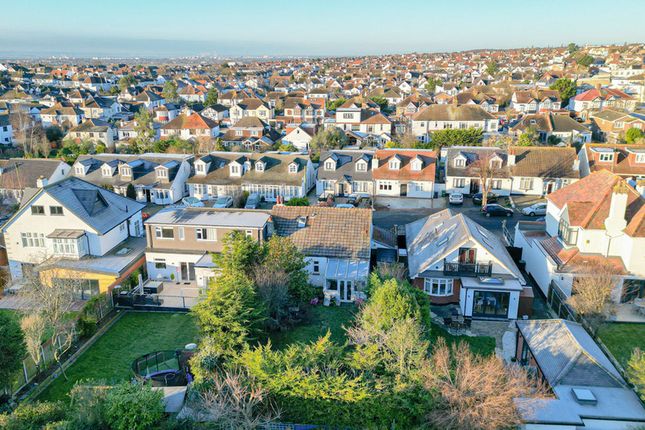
(33, 416)
(133, 407)
(86, 326)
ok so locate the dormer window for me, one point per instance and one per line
(80, 170)
(293, 168)
(200, 168)
(126, 171)
(394, 164)
(162, 173)
(495, 163)
(106, 171)
(606, 157)
(640, 158)
(361, 166)
(416, 164)
(259, 166)
(460, 162)
(330, 165)
(235, 169)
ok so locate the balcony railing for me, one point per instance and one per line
(467, 269)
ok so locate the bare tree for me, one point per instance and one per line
(53, 294)
(487, 167)
(33, 326)
(234, 401)
(392, 270)
(272, 285)
(476, 392)
(591, 292)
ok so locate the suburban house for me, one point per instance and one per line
(336, 243)
(455, 260)
(18, 175)
(250, 107)
(440, 117)
(346, 172)
(94, 130)
(566, 129)
(192, 94)
(190, 127)
(250, 133)
(404, 173)
(597, 99)
(6, 130)
(537, 100)
(155, 178)
(596, 220)
(298, 110)
(270, 174)
(463, 165)
(541, 170)
(299, 136)
(588, 391)
(364, 120)
(180, 242)
(75, 231)
(610, 125)
(102, 108)
(626, 161)
(411, 105)
(62, 116)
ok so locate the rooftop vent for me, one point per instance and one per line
(584, 396)
(491, 281)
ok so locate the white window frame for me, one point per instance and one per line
(159, 230)
(433, 287)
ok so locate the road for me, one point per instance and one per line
(387, 218)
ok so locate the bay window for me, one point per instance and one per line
(438, 286)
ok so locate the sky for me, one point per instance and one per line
(164, 28)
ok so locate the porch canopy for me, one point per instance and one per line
(491, 284)
(347, 269)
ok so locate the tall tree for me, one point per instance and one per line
(492, 68)
(634, 135)
(12, 349)
(169, 92)
(144, 127)
(529, 137)
(431, 84)
(487, 167)
(591, 292)
(566, 87)
(211, 97)
(125, 82)
(572, 47)
(329, 138)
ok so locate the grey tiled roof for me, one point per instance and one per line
(21, 173)
(567, 355)
(328, 232)
(101, 209)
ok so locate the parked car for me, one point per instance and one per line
(223, 202)
(325, 197)
(252, 201)
(356, 198)
(496, 210)
(535, 209)
(477, 198)
(456, 199)
(192, 202)
(344, 205)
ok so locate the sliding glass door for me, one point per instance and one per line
(491, 304)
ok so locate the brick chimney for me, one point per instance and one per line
(615, 222)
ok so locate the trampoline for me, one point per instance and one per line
(163, 368)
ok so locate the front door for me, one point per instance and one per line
(404, 189)
(548, 187)
(341, 189)
(187, 272)
(345, 290)
(474, 186)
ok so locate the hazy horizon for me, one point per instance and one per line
(290, 28)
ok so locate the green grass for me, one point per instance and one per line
(482, 345)
(335, 318)
(111, 357)
(321, 319)
(622, 339)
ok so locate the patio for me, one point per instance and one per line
(629, 312)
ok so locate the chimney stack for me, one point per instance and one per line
(615, 222)
(374, 162)
(41, 182)
(511, 159)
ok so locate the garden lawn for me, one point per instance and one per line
(321, 318)
(482, 345)
(622, 339)
(110, 358)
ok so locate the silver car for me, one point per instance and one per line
(253, 201)
(223, 202)
(535, 209)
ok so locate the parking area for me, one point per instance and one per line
(388, 217)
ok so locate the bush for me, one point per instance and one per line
(86, 326)
(298, 201)
(133, 407)
(33, 416)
